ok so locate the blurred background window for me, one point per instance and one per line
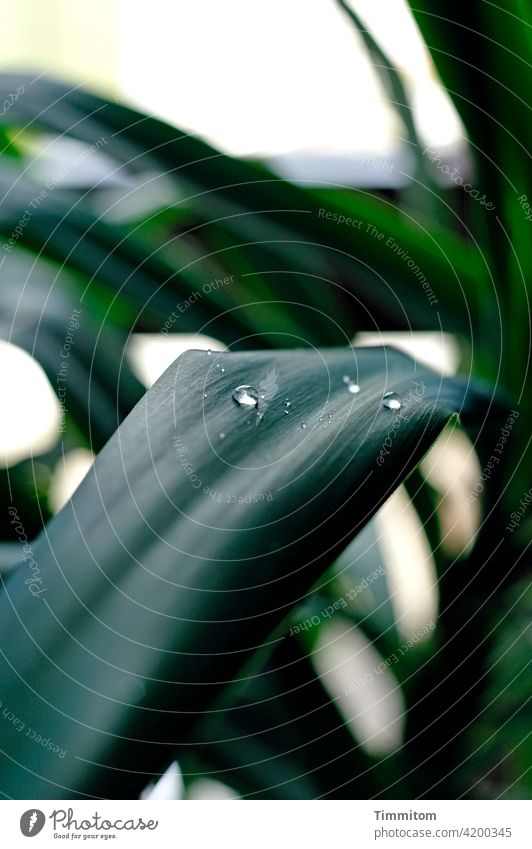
(287, 81)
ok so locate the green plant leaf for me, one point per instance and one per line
(83, 358)
(283, 738)
(421, 194)
(270, 222)
(181, 552)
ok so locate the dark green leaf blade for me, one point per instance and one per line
(182, 551)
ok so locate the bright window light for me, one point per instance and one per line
(169, 786)
(67, 476)
(150, 354)
(439, 351)
(293, 76)
(29, 424)
(451, 467)
(369, 700)
(410, 568)
(209, 788)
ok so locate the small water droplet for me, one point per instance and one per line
(353, 387)
(217, 365)
(287, 412)
(330, 415)
(324, 427)
(392, 401)
(287, 403)
(346, 378)
(223, 370)
(246, 396)
(222, 435)
(304, 425)
(320, 420)
(209, 352)
(205, 395)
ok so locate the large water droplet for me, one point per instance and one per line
(392, 401)
(246, 396)
(353, 387)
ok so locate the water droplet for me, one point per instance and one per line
(287, 403)
(209, 352)
(205, 395)
(287, 412)
(222, 435)
(346, 378)
(330, 415)
(246, 396)
(324, 427)
(353, 387)
(320, 420)
(304, 425)
(217, 365)
(392, 401)
(223, 370)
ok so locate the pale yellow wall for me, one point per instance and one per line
(71, 39)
